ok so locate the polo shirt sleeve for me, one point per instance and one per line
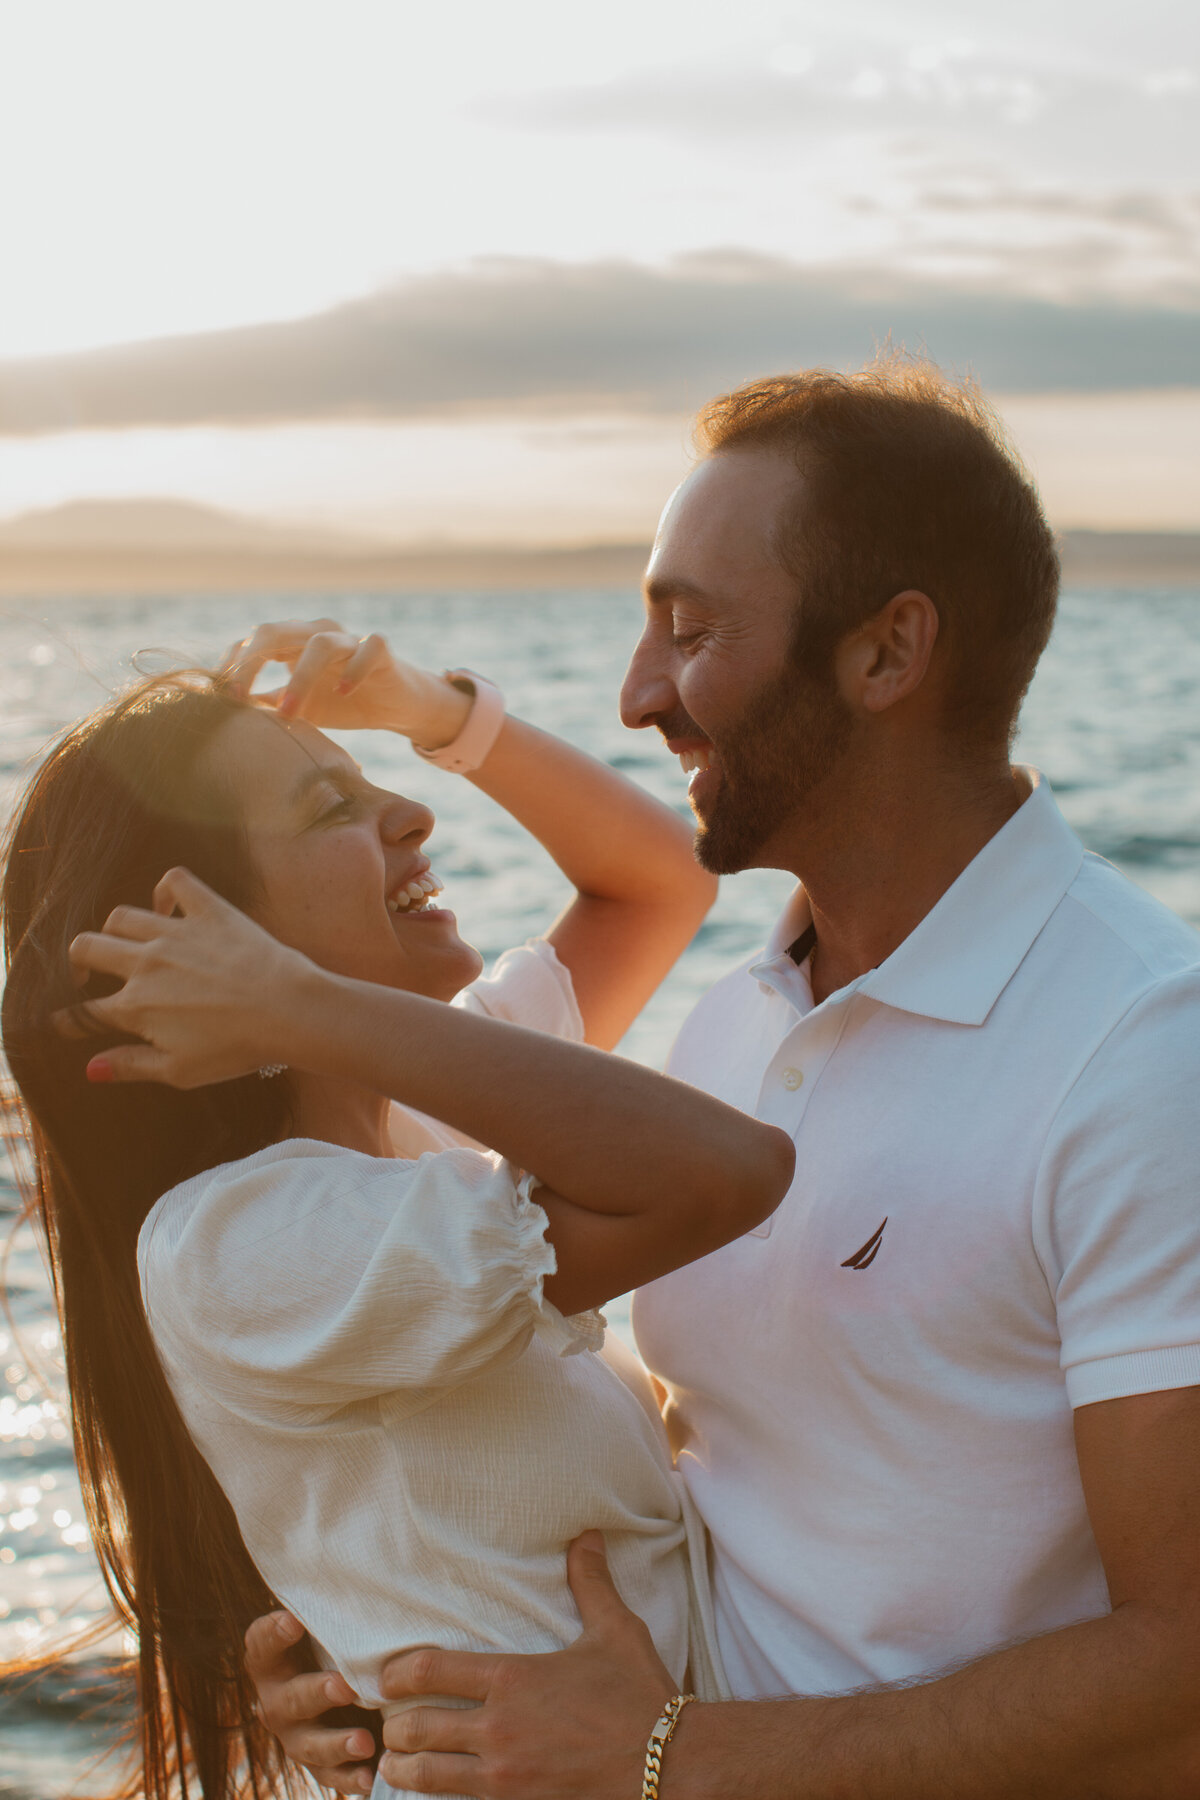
(1117, 1207)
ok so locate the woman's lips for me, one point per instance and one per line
(415, 894)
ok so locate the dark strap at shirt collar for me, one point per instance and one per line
(803, 947)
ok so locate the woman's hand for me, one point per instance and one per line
(348, 683)
(205, 989)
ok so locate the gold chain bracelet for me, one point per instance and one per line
(660, 1737)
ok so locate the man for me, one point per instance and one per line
(942, 1414)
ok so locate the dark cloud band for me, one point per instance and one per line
(533, 336)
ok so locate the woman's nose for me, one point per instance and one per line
(403, 818)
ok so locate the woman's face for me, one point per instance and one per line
(331, 851)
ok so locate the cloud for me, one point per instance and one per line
(507, 336)
(851, 86)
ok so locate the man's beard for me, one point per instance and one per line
(789, 739)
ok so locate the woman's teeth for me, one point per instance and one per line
(413, 897)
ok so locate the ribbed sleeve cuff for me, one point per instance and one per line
(1137, 1372)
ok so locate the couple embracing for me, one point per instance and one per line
(906, 1504)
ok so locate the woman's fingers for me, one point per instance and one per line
(329, 666)
(130, 1062)
(180, 890)
(87, 1020)
(96, 953)
(371, 652)
(278, 642)
(323, 657)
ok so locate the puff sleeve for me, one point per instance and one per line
(309, 1279)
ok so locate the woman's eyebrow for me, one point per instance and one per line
(339, 774)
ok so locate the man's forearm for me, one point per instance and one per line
(1105, 1710)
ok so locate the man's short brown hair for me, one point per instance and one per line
(909, 482)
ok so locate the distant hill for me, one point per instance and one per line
(163, 546)
(149, 525)
(1136, 558)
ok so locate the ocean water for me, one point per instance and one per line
(1112, 721)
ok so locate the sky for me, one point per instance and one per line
(455, 274)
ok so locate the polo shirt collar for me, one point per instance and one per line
(774, 970)
(957, 962)
(967, 949)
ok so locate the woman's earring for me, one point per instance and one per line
(270, 1069)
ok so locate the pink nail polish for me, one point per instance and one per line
(99, 1069)
(287, 705)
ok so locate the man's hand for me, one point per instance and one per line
(348, 683)
(295, 1700)
(572, 1725)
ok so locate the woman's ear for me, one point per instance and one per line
(887, 658)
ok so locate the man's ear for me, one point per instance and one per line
(887, 657)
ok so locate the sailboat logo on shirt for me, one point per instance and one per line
(863, 1258)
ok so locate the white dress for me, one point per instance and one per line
(408, 1433)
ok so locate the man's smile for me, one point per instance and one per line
(697, 758)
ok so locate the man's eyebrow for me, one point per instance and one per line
(659, 589)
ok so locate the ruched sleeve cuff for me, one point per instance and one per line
(566, 1335)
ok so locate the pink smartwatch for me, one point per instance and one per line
(479, 733)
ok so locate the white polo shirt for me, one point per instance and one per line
(994, 1219)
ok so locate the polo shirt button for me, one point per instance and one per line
(792, 1079)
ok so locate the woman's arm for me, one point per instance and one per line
(640, 1174)
(640, 894)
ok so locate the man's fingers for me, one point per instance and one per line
(595, 1594)
(276, 1649)
(325, 1755)
(442, 1728)
(428, 1773)
(292, 1698)
(464, 1673)
(300, 1700)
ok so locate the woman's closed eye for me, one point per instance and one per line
(340, 807)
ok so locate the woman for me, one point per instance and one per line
(363, 1320)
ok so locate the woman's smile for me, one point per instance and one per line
(328, 846)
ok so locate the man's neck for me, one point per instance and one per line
(875, 863)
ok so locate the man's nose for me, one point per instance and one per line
(647, 691)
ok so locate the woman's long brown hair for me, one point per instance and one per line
(119, 800)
